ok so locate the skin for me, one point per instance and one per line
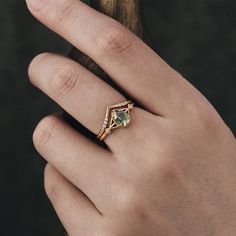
(171, 172)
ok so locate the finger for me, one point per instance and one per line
(76, 212)
(74, 88)
(85, 164)
(128, 61)
(80, 93)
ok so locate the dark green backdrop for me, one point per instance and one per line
(195, 37)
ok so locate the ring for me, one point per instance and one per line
(117, 116)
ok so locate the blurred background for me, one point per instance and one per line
(198, 38)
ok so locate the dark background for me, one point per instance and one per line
(195, 37)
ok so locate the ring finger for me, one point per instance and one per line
(78, 91)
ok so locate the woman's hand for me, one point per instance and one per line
(171, 172)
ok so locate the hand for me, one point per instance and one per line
(171, 172)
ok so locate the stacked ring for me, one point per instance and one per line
(117, 116)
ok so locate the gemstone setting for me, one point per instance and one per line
(117, 116)
(120, 117)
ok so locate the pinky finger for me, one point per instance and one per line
(76, 212)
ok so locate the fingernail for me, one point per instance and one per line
(36, 4)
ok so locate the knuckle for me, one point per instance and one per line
(129, 201)
(66, 11)
(169, 168)
(207, 116)
(44, 131)
(170, 172)
(112, 41)
(204, 116)
(64, 80)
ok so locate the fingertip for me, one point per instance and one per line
(35, 5)
(44, 131)
(34, 66)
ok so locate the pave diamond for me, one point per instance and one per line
(121, 118)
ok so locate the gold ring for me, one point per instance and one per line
(117, 116)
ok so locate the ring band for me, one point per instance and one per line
(117, 116)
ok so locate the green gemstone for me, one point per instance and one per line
(121, 118)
